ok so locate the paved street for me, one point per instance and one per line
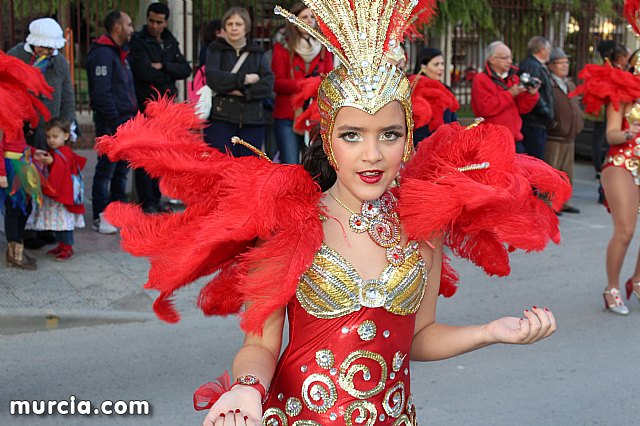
(103, 343)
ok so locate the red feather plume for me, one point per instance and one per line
(603, 85)
(230, 204)
(20, 86)
(311, 115)
(482, 214)
(631, 12)
(436, 95)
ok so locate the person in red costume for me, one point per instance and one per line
(62, 208)
(619, 90)
(428, 88)
(301, 56)
(20, 86)
(497, 94)
(354, 261)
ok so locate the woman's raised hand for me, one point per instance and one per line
(536, 324)
(240, 406)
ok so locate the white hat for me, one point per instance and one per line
(46, 32)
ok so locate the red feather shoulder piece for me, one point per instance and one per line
(483, 198)
(230, 205)
(20, 86)
(436, 95)
(603, 85)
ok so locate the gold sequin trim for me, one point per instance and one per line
(349, 370)
(398, 359)
(367, 412)
(305, 423)
(274, 417)
(394, 398)
(293, 407)
(319, 399)
(332, 288)
(325, 358)
(367, 330)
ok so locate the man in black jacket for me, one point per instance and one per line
(535, 123)
(157, 63)
(113, 101)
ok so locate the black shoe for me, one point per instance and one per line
(558, 213)
(570, 209)
(47, 237)
(33, 243)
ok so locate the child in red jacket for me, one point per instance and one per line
(62, 207)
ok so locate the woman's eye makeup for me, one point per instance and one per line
(391, 135)
(350, 136)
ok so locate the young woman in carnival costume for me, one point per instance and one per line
(20, 86)
(357, 268)
(619, 91)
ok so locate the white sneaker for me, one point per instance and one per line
(105, 227)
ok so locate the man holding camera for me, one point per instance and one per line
(497, 94)
(534, 70)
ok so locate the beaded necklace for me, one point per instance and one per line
(379, 219)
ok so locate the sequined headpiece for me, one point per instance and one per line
(360, 33)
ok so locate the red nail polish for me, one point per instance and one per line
(246, 418)
(237, 410)
(526, 310)
(546, 309)
(535, 307)
(221, 414)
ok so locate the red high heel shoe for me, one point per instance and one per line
(632, 288)
(56, 251)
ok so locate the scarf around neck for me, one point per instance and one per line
(308, 49)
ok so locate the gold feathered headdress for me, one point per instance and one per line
(361, 33)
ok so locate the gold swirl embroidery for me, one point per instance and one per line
(313, 392)
(367, 330)
(366, 412)
(305, 423)
(393, 403)
(348, 372)
(398, 359)
(269, 417)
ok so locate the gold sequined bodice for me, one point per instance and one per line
(332, 288)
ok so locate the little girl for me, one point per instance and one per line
(62, 208)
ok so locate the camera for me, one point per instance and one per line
(529, 82)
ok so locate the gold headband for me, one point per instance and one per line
(360, 34)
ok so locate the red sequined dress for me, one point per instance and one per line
(347, 361)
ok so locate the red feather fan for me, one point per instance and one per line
(483, 214)
(604, 85)
(20, 86)
(231, 203)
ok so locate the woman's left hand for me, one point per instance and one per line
(535, 325)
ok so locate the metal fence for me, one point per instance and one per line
(516, 21)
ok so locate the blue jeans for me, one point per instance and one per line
(535, 139)
(65, 237)
(218, 135)
(288, 142)
(110, 179)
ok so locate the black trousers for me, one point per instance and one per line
(148, 191)
(15, 220)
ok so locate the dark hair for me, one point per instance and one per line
(159, 8)
(425, 56)
(619, 51)
(315, 161)
(59, 122)
(209, 31)
(111, 20)
(605, 47)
